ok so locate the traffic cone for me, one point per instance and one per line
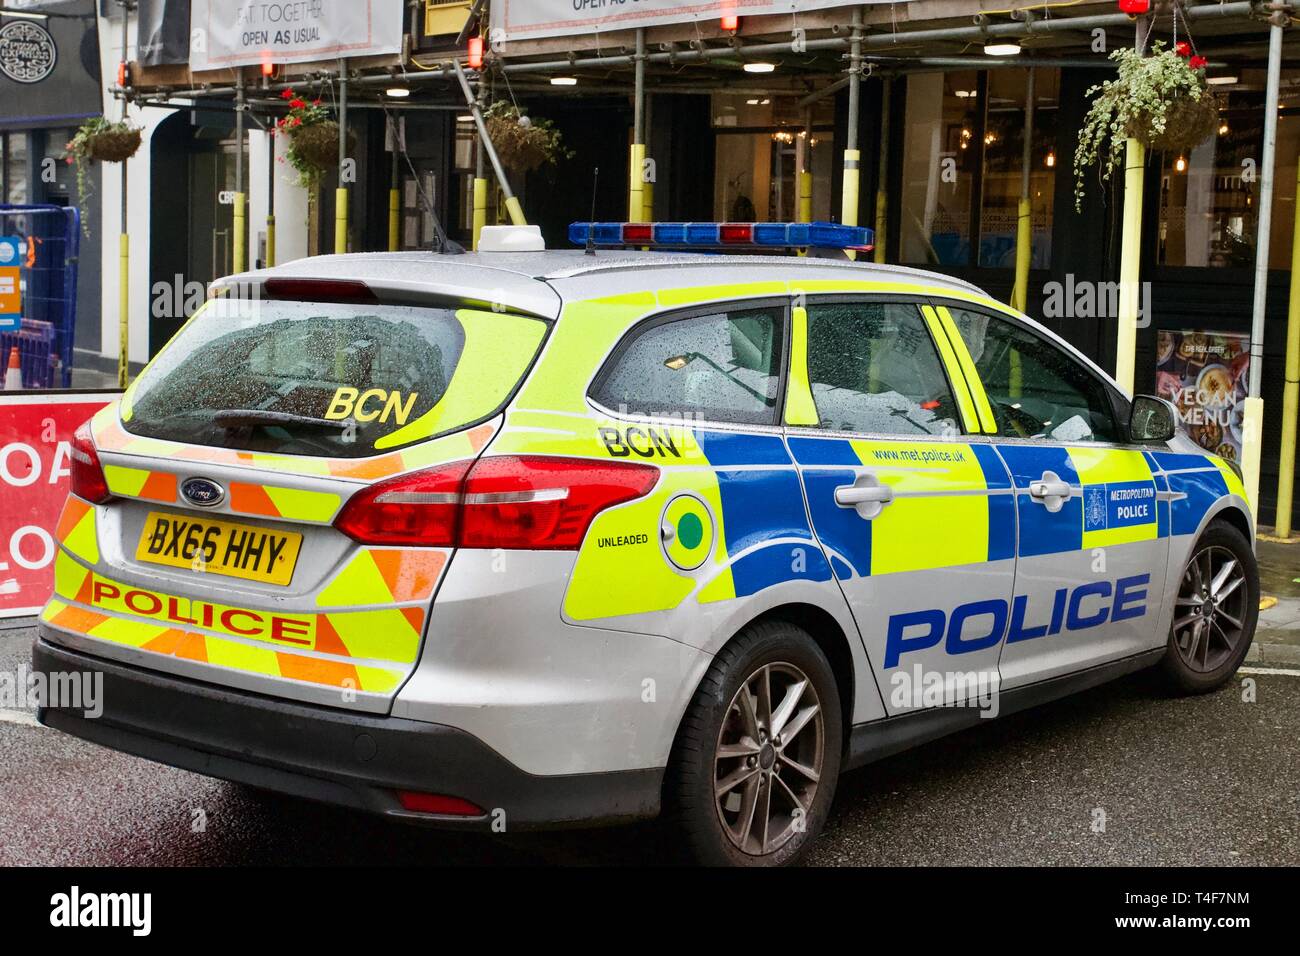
(14, 374)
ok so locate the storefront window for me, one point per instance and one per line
(760, 142)
(15, 167)
(1209, 195)
(963, 157)
(940, 159)
(1004, 144)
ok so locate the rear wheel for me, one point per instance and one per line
(756, 761)
(1215, 611)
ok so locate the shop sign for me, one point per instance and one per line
(1205, 375)
(27, 51)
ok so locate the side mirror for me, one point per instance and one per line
(1152, 419)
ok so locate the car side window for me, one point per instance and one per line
(724, 366)
(874, 368)
(1036, 389)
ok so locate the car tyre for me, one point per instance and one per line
(756, 760)
(1215, 612)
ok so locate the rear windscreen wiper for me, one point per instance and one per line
(246, 417)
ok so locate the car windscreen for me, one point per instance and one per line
(340, 380)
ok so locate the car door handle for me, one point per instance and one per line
(850, 495)
(867, 496)
(1050, 491)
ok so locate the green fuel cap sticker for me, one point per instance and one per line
(687, 532)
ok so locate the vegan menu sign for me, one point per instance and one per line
(533, 19)
(1205, 374)
(226, 33)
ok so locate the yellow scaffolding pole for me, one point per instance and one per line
(241, 232)
(1024, 226)
(635, 199)
(1130, 264)
(123, 301)
(340, 220)
(1291, 387)
(480, 207)
(394, 220)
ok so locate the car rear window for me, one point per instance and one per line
(341, 380)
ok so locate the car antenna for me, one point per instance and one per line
(591, 231)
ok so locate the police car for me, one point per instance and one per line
(524, 538)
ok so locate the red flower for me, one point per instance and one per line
(297, 121)
(315, 102)
(287, 95)
(296, 104)
(1197, 62)
(1183, 48)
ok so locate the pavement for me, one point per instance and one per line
(1121, 775)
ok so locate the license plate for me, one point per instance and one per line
(219, 547)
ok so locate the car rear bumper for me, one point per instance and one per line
(335, 756)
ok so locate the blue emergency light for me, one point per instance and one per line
(723, 235)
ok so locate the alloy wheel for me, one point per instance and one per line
(768, 761)
(1210, 610)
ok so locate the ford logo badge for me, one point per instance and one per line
(203, 492)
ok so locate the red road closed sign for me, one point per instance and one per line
(35, 448)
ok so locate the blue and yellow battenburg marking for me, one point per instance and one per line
(734, 509)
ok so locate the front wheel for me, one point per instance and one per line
(756, 760)
(1215, 611)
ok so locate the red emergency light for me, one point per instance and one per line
(1134, 8)
(475, 53)
(731, 24)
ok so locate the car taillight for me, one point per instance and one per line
(421, 508)
(537, 503)
(518, 502)
(88, 481)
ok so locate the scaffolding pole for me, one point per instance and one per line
(1290, 388)
(241, 197)
(852, 156)
(636, 159)
(515, 210)
(270, 196)
(341, 193)
(1253, 419)
(124, 240)
(1130, 263)
(882, 173)
(1024, 226)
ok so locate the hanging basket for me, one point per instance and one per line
(1188, 124)
(112, 145)
(318, 144)
(520, 148)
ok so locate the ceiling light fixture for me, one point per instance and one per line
(1001, 48)
(760, 67)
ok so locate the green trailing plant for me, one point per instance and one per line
(1160, 100)
(523, 143)
(99, 139)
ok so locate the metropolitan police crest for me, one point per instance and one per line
(1094, 508)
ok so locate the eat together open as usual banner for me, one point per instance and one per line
(225, 33)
